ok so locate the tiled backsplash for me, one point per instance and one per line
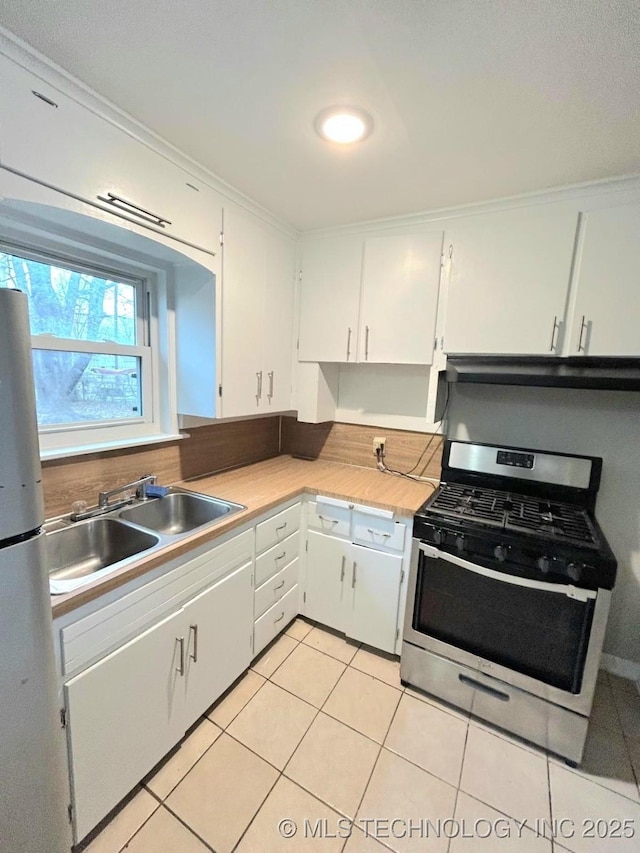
(209, 449)
(353, 445)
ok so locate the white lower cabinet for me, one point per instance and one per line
(324, 590)
(127, 710)
(217, 640)
(277, 617)
(354, 589)
(372, 597)
(124, 713)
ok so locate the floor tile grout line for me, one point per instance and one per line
(575, 771)
(187, 826)
(131, 837)
(253, 695)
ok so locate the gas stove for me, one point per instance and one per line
(509, 591)
(531, 528)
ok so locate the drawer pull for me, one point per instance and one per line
(180, 667)
(344, 559)
(353, 578)
(194, 653)
(282, 526)
(279, 619)
(280, 556)
(477, 685)
(377, 533)
(328, 520)
(280, 585)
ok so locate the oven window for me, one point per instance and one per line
(541, 634)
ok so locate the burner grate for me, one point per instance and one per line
(547, 519)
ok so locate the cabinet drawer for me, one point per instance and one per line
(277, 557)
(274, 620)
(329, 518)
(277, 529)
(275, 589)
(378, 532)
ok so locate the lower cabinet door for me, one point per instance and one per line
(327, 561)
(124, 714)
(218, 632)
(372, 586)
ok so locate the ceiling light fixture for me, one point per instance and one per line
(344, 125)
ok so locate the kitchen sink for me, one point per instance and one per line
(87, 547)
(178, 512)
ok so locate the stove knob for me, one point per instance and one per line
(544, 564)
(500, 553)
(574, 570)
(438, 536)
(460, 543)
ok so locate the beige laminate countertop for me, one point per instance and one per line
(260, 487)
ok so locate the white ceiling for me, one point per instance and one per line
(472, 99)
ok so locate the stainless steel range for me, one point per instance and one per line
(509, 591)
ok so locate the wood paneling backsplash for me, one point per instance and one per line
(208, 450)
(353, 445)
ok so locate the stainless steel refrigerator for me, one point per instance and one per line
(33, 785)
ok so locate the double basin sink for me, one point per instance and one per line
(86, 550)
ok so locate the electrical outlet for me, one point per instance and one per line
(379, 444)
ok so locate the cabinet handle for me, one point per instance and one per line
(353, 579)
(282, 526)
(194, 654)
(270, 375)
(180, 667)
(366, 343)
(44, 98)
(129, 207)
(280, 585)
(344, 559)
(279, 619)
(556, 326)
(280, 556)
(348, 343)
(583, 326)
(259, 386)
(328, 520)
(377, 533)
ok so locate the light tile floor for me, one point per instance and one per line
(321, 730)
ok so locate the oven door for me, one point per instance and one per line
(533, 634)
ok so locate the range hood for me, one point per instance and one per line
(593, 372)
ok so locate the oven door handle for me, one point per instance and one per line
(569, 590)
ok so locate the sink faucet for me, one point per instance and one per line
(80, 511)
(139, 485)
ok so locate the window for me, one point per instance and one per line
(92, 357)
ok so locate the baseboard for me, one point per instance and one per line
(623, 668)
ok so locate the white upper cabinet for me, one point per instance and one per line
(48, 137)
(258, 278)
(370, 298)
(330, 299)
(508, 282)
(607, 307)
(400, 282)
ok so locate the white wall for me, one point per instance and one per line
(596, 423)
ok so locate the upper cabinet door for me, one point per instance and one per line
(329, 299)
(400, 285)
(508, 282)
(280, 272)
(607, 312)
(47, 136)
(243, 309)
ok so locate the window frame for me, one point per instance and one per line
(59, 440)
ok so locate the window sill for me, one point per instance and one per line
(104, 446)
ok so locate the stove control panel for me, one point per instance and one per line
(515, 460)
